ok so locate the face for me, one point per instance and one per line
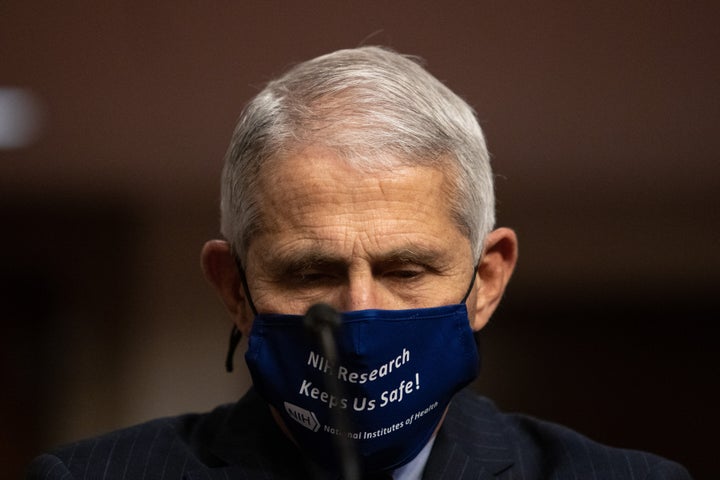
(355, 240)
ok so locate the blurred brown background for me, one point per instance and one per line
(603, 122)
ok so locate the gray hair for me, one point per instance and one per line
(376, 109)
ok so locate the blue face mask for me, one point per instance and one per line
(397, 369)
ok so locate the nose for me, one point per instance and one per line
(361, 293)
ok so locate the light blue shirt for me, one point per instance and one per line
(414, 469)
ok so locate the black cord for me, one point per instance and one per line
(235, 336)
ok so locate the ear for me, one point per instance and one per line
(220, 269)
(493, 274)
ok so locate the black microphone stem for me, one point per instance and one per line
(323, 320)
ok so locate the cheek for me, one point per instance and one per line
(272, 298)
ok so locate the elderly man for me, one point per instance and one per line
(356, 183)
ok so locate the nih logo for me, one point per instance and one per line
(304, 417)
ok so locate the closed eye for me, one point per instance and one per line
(314, 277)
(311, 278)
(404, 274)
(310, 271)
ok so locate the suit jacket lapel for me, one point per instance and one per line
(249, 444)
(472, 443)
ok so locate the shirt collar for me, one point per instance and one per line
(413, 470)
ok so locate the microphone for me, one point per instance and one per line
(322, 321)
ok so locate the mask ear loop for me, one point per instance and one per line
(472, 284)
(235, 334)
(235, 337)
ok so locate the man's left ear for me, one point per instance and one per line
(220, 269)
(493, 274)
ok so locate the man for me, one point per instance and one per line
(356, 183)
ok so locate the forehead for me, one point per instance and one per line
(314, 197)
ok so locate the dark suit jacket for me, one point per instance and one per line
(241, 441)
